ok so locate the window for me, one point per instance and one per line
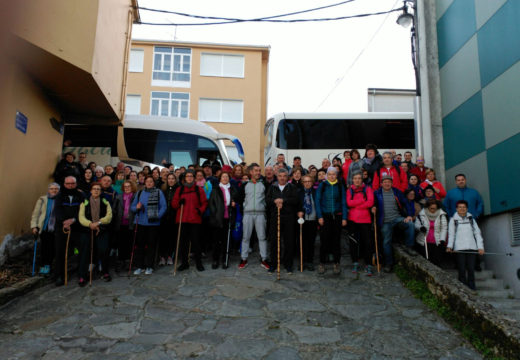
(133, 104)
(170, 104)
(136, 60)
(171, 66)
(222, 65)
(219, 110)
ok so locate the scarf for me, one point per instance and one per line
(50, 216)
(152, 207)
(227, 198)
(127, 197)
(434, 216)
(332, 182)
(307, 201)
(201, 183)
(368, 161)
(95, 208)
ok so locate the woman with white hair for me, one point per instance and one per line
(43, 221)
(331, 211)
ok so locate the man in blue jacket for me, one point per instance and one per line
(462, 192)
(391, 212)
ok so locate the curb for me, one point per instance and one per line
(499, 332)
(9, 293)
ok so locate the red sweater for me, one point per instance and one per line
(194, 204)
(344, 169)
(399, 178)
(420, 172)
(358, 206)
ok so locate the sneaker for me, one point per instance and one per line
(138, 271)
(321, 269)
(42, 269)
(82, 282)
(107, 277)
(264, 264)
(355, 269)
(336, 270)
(148, 271)
(162, 261)
(242, 264)
(169, 261)
(183, 267)
(369, 270)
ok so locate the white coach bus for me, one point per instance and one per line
(315, 136)
(153, 140)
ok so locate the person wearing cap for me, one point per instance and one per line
(297, 163)
(391, 212)
(331, 211)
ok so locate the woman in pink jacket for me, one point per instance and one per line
(440, 192)
(360, 198)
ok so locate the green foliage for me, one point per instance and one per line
(420, 290)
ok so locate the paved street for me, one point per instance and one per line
(221, 314)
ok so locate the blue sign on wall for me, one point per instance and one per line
(20, 122)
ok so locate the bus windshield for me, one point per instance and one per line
(180, 149)
(309, 134)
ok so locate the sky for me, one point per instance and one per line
(314, 66)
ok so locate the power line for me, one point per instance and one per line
(338, 81)
(241, 20)
(276, 20)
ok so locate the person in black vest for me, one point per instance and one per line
(67, 167)
(95, 214)
(283, 196)
(67, 208)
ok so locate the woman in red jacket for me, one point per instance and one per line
(360, 198)
(440, 192)
(194, 202)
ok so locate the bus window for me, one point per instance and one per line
(181, 158)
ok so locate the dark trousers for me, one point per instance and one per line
(168, 238)
(99, 247)
(60, 241)
(220, 238)
(466, 267)
(286, 240)
(47, 247)
(330, 238)
(361, 244)
(309, 229)
(145, 246)
(125, 238)
(190, 233)
(434, 253)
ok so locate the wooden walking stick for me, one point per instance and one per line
(91, 255)
(278, 266)
(66, 253)
(377, 251)
(178, 240)
(301, 221)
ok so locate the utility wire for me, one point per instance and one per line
(240, 20)
(340, 80)
(275, 20)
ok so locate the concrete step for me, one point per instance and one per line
(495, 294)
(479, 275)
(490, 284)
(506, 304)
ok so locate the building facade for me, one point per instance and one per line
(222, 85)
(471, 70)
(61, 61)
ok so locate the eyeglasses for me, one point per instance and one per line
(420, 161)
(70, 183)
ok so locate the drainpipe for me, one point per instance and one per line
(125, 65)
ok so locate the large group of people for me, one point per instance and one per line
(118, 218)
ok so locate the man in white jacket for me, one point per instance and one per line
(465, 239)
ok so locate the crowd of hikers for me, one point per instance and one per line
(119, 219)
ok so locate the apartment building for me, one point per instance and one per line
(60, 62)
(221, 84)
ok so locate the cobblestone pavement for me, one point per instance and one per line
(228, 314)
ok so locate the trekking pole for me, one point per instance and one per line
(301, 221)
(178, 240)
(278, 235)
(486, 253)
(228, 236)
(377, 251)
(34, 256)
(67, 253)
(426, 246)
(133, 244)
(91, 255)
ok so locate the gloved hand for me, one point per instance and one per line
(423, 229)
(182, 201)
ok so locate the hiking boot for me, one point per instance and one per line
(321, 269)
(169, 261)
(184, 266)
(162, 261)
(369, 270)
(224, 265)
(214, 265)
(242, 264)
(355, 269)
(199, 266)
(336, 270)
(148, 271)
(264, 264)
(82, 282)
(107, 277)
(138, 271)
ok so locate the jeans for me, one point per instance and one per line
(387, 230)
